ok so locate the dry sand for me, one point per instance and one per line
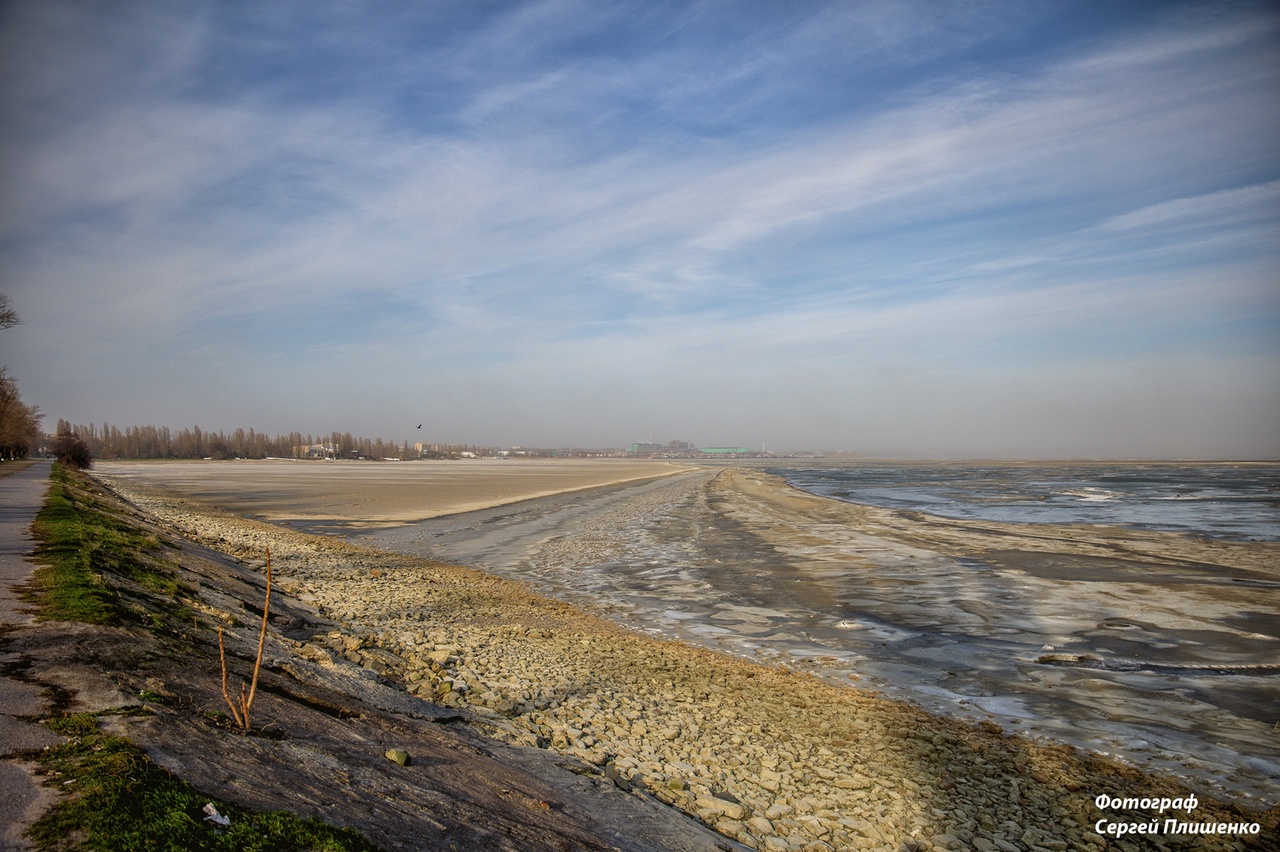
(371, 494)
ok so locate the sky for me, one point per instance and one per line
(1024, 229)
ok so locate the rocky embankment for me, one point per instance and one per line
(774, 759)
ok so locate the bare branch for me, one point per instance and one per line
(262, 641)
(8, 316)
(222, 655)
(241, 713)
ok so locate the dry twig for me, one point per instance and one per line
(241, 713)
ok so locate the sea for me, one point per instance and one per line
(1239, 501)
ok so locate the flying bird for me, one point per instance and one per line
(419, 425)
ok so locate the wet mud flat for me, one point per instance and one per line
(1158, 648)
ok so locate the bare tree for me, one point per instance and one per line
(8, 316)
(19, 422)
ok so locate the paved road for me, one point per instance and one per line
(22, 493)
(22, 799)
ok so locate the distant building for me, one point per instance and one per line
(642, 449)
(687, 450)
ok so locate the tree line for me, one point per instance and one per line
(108, 442)
(160, 442)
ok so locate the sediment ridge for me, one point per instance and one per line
(772, 758)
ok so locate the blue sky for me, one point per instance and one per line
(924, 228)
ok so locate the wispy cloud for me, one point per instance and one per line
(1224, 207)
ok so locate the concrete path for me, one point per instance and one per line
(22, 799)
(22, 493)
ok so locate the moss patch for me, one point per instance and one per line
(95, 566)
(119, 800)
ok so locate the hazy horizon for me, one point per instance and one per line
(911, 229)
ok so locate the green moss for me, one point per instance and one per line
(95, 566)
(73, 724)
(119, 800)
(68, 588)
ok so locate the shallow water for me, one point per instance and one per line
(1224, 500)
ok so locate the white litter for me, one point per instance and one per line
(211, 815)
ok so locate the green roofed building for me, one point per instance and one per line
(725, 451)
(644, 449)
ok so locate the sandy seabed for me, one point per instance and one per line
(375, 494)
(776, 759)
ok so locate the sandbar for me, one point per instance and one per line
(374, 494)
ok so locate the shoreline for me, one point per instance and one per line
(1121, 643)
(1134, 627)
(1140, 644)
(774, 758)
